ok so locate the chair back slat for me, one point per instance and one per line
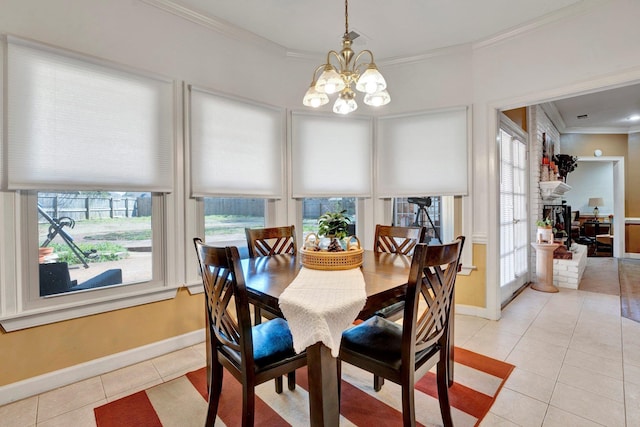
(430, 294)
(226, 299)
(271, 241)
(402, 240)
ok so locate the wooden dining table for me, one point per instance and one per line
(385, 277)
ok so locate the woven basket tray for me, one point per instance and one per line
(322, 260)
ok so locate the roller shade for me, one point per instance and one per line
(331, 156)
(75, 122)
(423, 154)
(237, 147)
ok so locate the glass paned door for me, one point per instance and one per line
(513, 213)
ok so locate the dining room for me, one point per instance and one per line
(203, 108)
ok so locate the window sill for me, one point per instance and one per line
(43, 316)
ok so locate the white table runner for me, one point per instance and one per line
(319, 305)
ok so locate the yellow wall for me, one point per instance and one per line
(577, 144)
(472, 289)
(518, 116)
(632, 177)
(632, 195)
(47, 348)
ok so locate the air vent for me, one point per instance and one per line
(583, 116)
(353, 35)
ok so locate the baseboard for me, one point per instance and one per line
(52, 380)
(472, 310)
(632, 255)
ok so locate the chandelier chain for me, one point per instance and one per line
(346, 18)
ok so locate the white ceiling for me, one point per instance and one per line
(390, 28)
(606, 111)
(406, 28)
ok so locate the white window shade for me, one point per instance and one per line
(78, 123)
(237, 148)
(331, 156)
(424, 154)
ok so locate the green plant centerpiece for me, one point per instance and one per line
(334, 225)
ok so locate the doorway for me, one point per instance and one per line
(612, 188)
(512, 148)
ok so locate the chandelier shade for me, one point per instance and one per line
(377, 99)
(348, 72)
(313, 98)
(371, 81)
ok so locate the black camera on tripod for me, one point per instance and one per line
(423, 202)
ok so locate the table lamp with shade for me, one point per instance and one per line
(594, 202)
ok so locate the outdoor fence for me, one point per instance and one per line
(94, 207)
(91, 207)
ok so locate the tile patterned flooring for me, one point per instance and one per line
(577, 364)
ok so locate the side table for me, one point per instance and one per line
(544, 267)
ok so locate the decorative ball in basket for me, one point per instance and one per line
(314, 255)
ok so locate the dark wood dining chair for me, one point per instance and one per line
(267, 242)
(394, 239)
(252, 354)
(402, 240)
(404, 353)
(271, 241)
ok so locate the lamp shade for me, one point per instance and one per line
(594, 202)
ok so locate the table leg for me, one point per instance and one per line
(324, 404)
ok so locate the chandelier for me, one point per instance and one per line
(340, 78)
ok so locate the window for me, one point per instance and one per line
(226, 218)
(237, 147)
(331, 157)
(514, 224)
(415, 152)
(59, 137)
(312, 208)
(83, 128)
(421, 212)
(89, 240)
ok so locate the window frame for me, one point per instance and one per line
(29, 309)
(22, 307)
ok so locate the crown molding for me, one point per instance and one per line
(566, 12)
(554, 115)
(233, 31)
(602, 130)
(215, 24)
(399, 60)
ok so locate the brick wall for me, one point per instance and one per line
(539, 125)
(568, 272)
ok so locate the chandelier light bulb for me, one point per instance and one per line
(346, 102)
(313, 98)
(371, 81)
(377, 99)
(330, 81)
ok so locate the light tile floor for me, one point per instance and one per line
(577, 364)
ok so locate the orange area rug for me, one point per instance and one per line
(478, 380)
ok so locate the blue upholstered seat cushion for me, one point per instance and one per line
(272, 342)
